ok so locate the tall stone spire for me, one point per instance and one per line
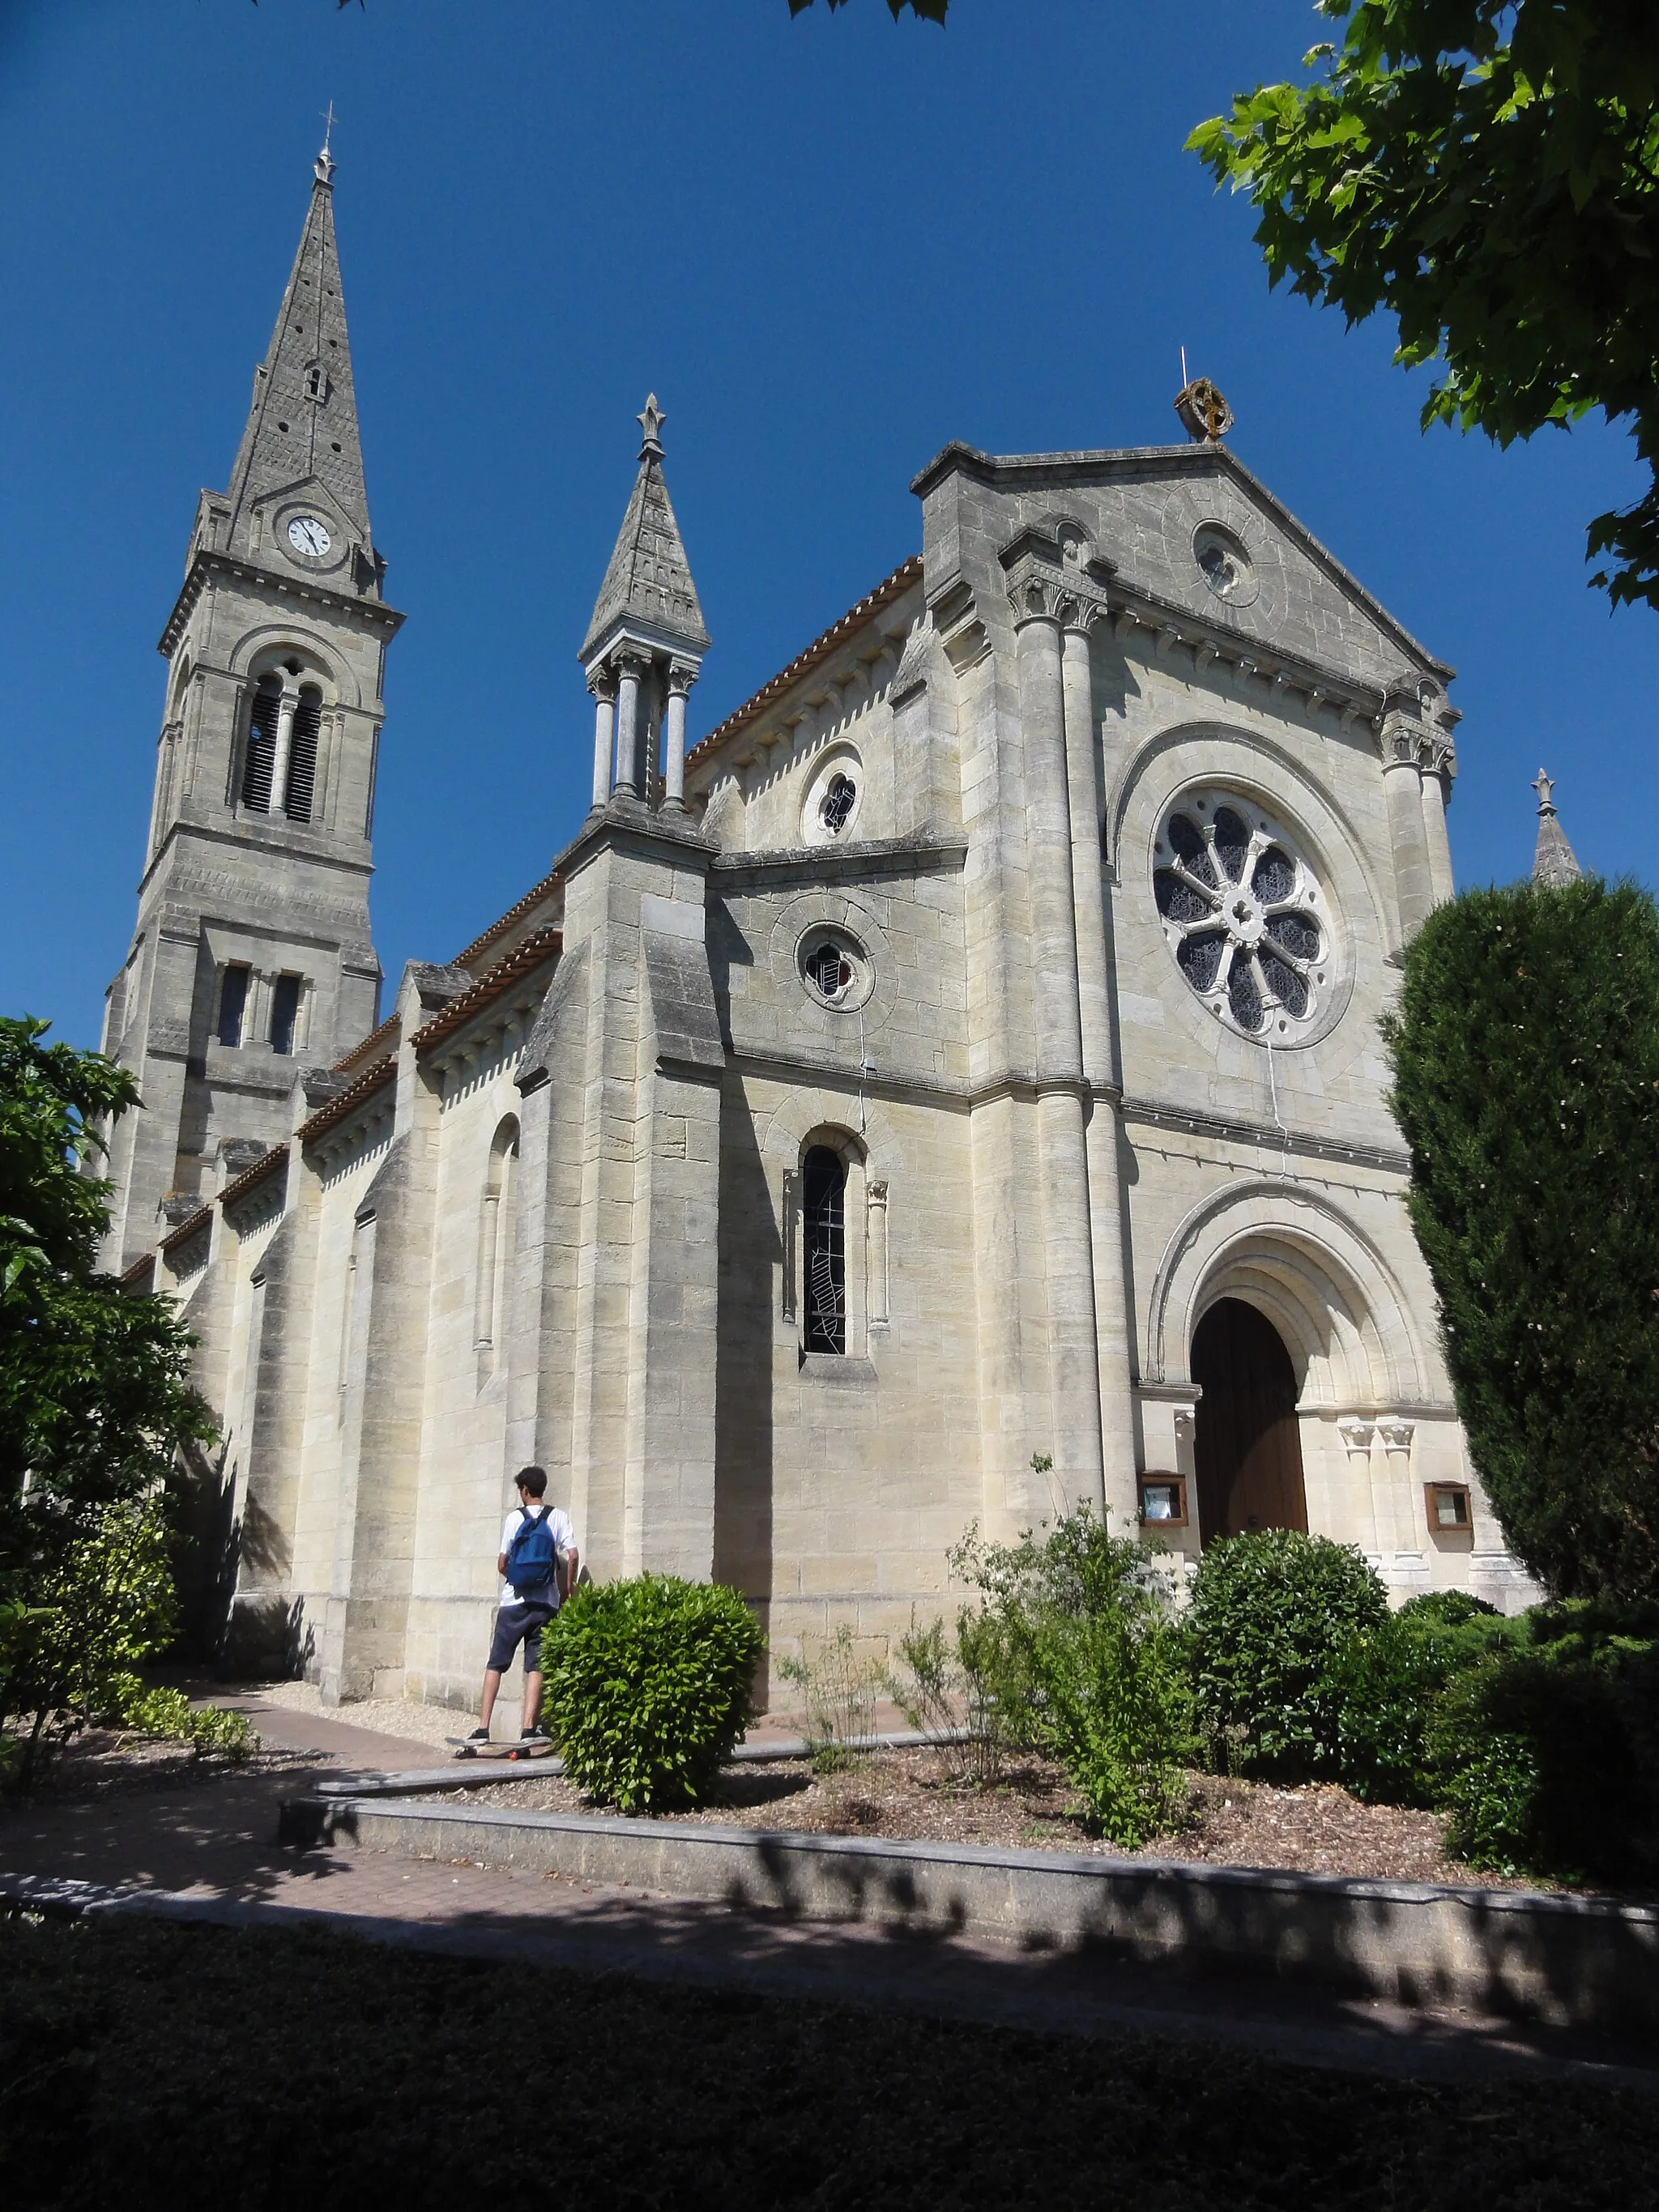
(1554, 864)
(648, 585)
(302, 425)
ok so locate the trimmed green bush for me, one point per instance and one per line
(1087, 1666)
(649, 1685)
(1389, 1681)
(169, 1712)
(1272, 1618)
(1526, 1060)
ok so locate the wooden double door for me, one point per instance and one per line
(1246, 1445)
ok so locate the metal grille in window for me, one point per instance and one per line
(261, 750)
(824, 1221)
(837, 808)
(302, 757)
(828, 970)
(1239, 912)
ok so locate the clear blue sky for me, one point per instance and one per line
(830, 245)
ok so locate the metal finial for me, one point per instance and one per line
(651, 419)
(324, 170)
(1543, 785)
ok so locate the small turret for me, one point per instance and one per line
(646, 642)
(1554, 864)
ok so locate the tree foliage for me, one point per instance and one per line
(1526, 1059)
(1488, 172)
(95, 1390)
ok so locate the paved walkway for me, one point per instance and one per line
(203, 1847)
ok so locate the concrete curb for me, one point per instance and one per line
(479, 1773)
(1566, 1961)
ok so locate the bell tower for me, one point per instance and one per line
(253, 956)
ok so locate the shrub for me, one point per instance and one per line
(1388, 1680)
(839, 1685)
(1547, 1753)
(952, 1697)
(1272, 1618)
(1526, 1061)
(649, 1684)
(1088, 1666)
(169, 1712)
(103, 1606)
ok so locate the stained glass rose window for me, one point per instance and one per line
(1242, 915)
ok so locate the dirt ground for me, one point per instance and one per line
(910, 1795)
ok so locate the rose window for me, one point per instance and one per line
(1242, 915)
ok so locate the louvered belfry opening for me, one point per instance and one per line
(261, 746)
(824, 1208)
(302, 756)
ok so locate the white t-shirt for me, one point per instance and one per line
(563, 1536)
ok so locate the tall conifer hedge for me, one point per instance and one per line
(1526, 1059)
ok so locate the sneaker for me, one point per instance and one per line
(478, 1735)
(537, 1735)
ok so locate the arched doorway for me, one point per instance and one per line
(1246, 1448)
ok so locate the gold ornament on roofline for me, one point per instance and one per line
(1205, 415)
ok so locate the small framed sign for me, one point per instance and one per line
(1163, 1500)
(1448, 1505)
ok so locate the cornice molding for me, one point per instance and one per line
(208, 563)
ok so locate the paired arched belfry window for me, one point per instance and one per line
(823, 1224)
(267, 758)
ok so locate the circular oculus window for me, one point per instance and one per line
(1223, 564)
(832, 798)
(1243, 915)
(836, 970)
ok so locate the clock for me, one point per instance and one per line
(306, 535)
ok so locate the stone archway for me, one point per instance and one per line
(1247, 1444)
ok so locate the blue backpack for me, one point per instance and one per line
(533, 1558)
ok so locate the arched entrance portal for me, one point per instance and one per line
(1247, 1450)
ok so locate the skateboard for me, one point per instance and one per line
(513, 1751)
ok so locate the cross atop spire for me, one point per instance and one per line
(1554, 864)
(301, 435)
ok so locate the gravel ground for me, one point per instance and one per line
(909, 1795)
(428, 1724)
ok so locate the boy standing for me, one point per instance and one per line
(538, 1562)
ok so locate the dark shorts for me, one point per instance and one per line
(516, 1624)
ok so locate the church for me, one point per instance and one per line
(948, 1088)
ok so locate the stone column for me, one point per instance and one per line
(1112, 1325)
(630, 668)
(681, 677)
(1063, 1166)
(1436, 775)
(602, 684)
(287, 707)
(1403, 783)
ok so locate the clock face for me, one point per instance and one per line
(306, 535)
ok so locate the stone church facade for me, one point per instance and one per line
(950, 1088)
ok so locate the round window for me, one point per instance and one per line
(834, 798)
(1242, 915)
(835, 969)
(1223, 564)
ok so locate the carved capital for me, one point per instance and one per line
(682, 675)
(1396, 1435)
(1356, 1436)
(602, 682)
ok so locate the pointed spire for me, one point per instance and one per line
(1554, 865)
(647, 590)
(302, 426)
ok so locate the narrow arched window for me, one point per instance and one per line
(262, 744)
(824, 1220)
(302, 756)
(495, 1245)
